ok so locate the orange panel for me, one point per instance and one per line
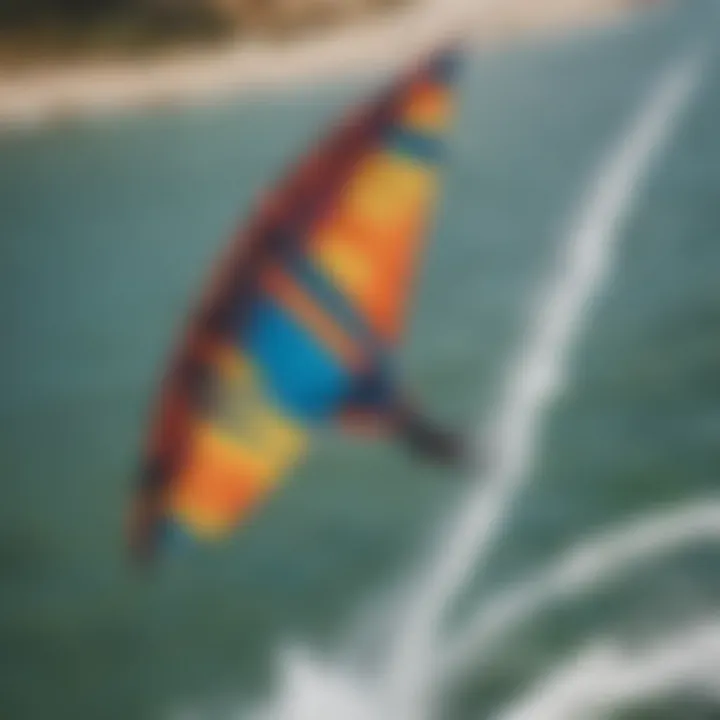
(218, 484)
(371, 264)
(428, 108)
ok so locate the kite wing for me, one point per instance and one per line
(301, 317)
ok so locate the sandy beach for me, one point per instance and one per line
(39, 95)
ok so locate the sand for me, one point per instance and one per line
(39, 95)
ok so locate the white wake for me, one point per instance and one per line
(582, 569)
(421, 661)
(607, 676)
(539, 375)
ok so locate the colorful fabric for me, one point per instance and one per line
(302, 320)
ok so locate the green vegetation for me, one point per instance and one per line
(33, 29)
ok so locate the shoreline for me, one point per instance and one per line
(31, 97)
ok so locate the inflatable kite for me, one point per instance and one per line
(300, 324)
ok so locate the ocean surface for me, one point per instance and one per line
(107, 229)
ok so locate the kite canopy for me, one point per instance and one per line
(300, 322)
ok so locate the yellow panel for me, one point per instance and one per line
(223, 480)
(203, 524)
(283, 441)
(346, 264)
(367, 244)
(388, 187)
(238, 453)
(250, 422)
(218, 482)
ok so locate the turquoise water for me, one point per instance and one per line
(106, 231)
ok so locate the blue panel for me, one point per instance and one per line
(304, 378)
(415, 145)
(373, 390)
